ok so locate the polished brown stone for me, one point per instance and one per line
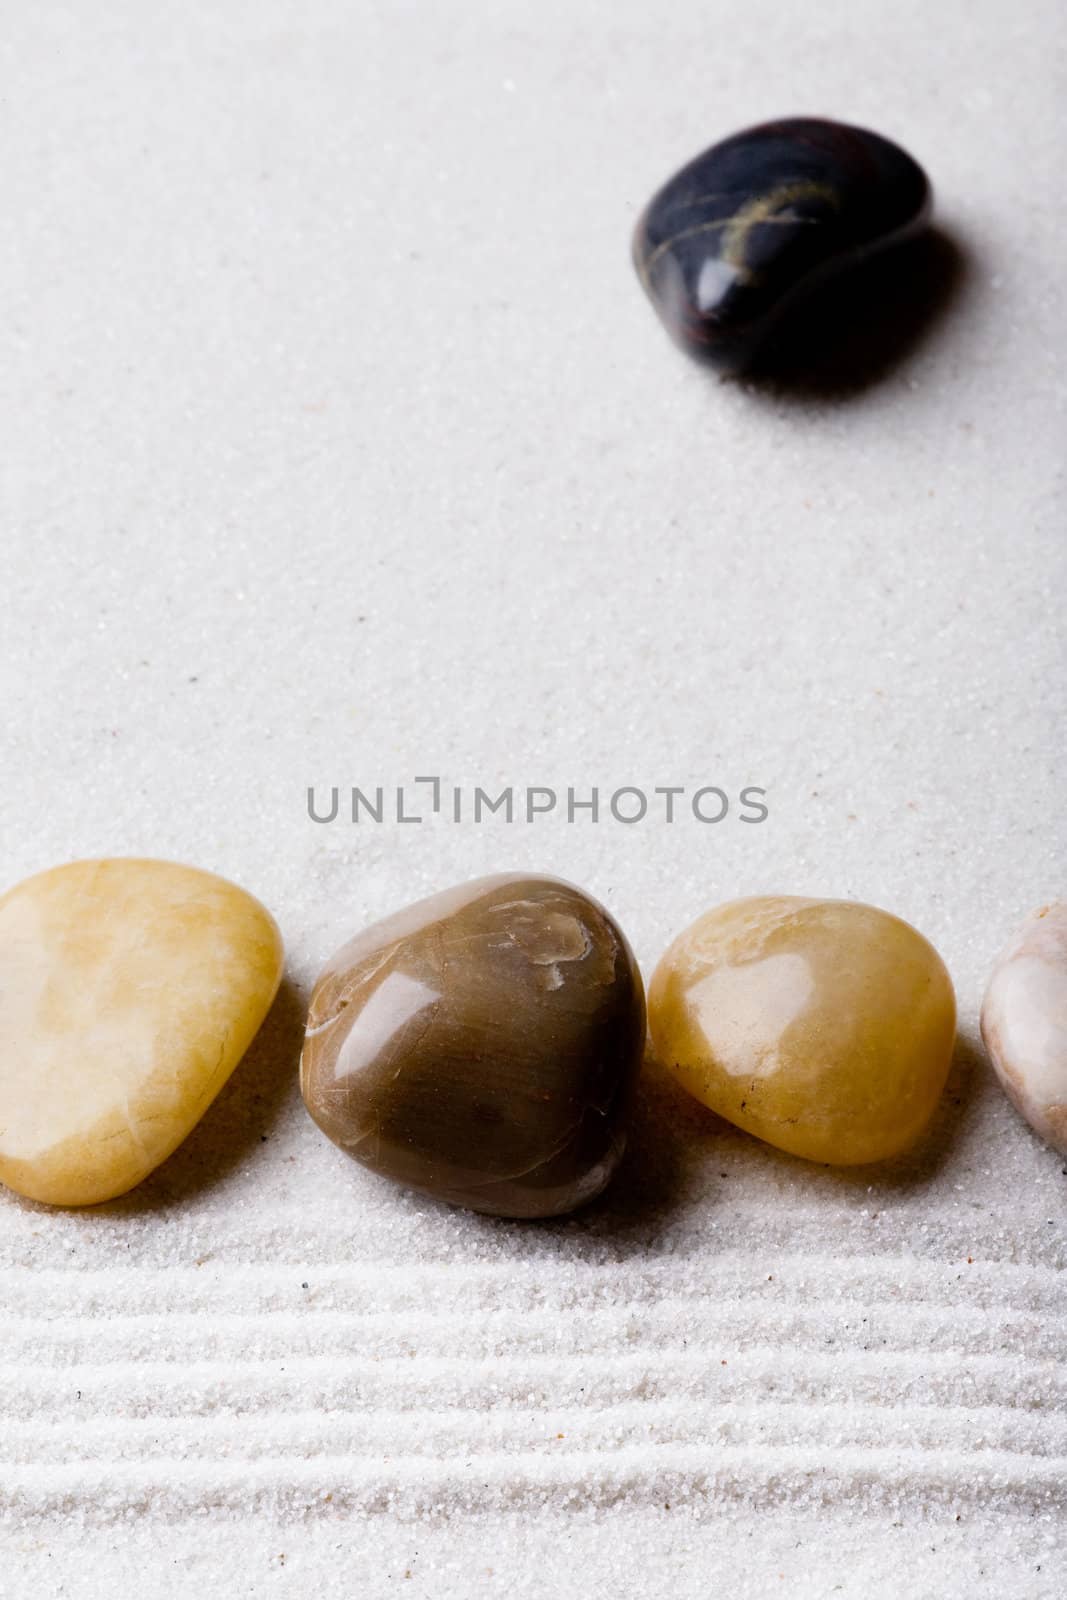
(481, 1046)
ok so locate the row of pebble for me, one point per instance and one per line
(483, 1045)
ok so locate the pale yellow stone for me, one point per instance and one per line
(825, 1027)
(129, 991)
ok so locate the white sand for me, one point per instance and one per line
(339, 446)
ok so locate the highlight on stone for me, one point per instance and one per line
(1024, 1021)
(730, 244)
(824, 1027)
(481, 1046)
(130, 991)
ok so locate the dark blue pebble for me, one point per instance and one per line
(730, 246)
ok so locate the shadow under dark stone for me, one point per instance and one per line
(237, 1122)
(666, 1130)
(854, 330)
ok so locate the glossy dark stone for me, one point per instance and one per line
(736, 238)
(482, 1046)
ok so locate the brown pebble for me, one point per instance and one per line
(481, 1046)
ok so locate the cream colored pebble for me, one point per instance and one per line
(129, 991)
(1024, 1021)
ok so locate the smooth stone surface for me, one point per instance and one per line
(825, 1027)
(129, 991)
(1024, 1021)
(481, 1046)
(728, 245)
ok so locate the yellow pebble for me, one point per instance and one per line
(129, 991)
(825, 1027)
